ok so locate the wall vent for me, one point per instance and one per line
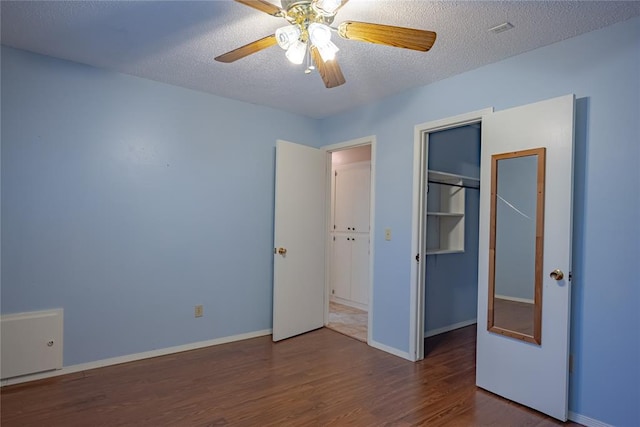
(501, 28)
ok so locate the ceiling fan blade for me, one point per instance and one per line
(329, 71)
(407, 38)
(263, 6)
(248, 49)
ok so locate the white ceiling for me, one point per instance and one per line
(175, 42)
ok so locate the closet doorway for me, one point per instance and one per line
(349, 248)
(446, 215)
(452, 218)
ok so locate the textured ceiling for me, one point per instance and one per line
(175, 42)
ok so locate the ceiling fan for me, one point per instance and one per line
(308, 35)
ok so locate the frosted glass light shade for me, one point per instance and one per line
(319, 34)
(296, 52)
(287, 36)
(327, 7)
(327, 51)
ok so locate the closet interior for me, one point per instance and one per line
(451, 279)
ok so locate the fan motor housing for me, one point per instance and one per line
(302, 13)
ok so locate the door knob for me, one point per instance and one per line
(282, 251)
(556, 274)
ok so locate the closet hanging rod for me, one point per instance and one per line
(454, 185)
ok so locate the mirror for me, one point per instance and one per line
(516, 243)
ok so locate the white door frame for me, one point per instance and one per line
(367, 140)
(418, 221)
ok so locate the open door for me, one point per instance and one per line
(299, 239)
(515, 361)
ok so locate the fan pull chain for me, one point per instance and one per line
(310, 66)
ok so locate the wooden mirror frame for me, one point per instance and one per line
(539, 236)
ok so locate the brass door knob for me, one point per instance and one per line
(556, 274)
(282, 251)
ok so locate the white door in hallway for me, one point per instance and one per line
(299, 240)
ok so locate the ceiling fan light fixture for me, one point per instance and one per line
(327, 7)
(327, 51)
(296, 52)
(319, 34)
(308, 35)
(287, 36)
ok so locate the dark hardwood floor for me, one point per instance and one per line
(320, 378)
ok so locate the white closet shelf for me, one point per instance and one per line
(445, 220)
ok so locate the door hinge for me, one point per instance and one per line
(418, 257)
(335, 173)
(334, 238)
(570, 276)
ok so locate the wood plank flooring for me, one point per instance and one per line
(317, 379)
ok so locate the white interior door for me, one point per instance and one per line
(361, 194)
(341, 267)
(299, 239)
(343, 209)
(533, 375)
(352, 197)
(360, 269)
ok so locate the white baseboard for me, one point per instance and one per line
(133, 357)
(449, 328)
(516, 299)
(586, 421)
(349, 303)
(390, 350)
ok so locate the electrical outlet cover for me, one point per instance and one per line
(198, 311)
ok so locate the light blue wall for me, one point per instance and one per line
(456, 150)
(451, 288)
(127, 202)
(603, 69)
